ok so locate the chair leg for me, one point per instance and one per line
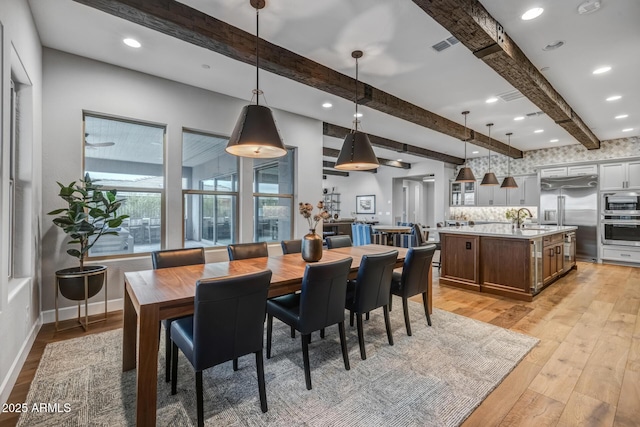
(405, 308)
(261, 385)
(390, 302)
(305, 359)
(167, 355)
(367, 316)
(269, 334)
(426, 307)
(363, 353)
(174, 368)
(387, 324)
(322, 333)
(343, 344)
(235, 364)
(199, 399)
(351, 318)
(293, 332)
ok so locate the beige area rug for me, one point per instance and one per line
(436, 377)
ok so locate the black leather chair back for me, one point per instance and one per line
(416, 269)
(291, 246)
(324, 289)
(418, 233)
(177, 257)
(374, 281)
(341, 241)
(247, 250)
(229, 317)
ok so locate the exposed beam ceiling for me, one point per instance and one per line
(334, 172)
(378, 141)
(471, 24)
(192, 26)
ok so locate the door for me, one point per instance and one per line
(516, 195)
(553, 172)
(612, 176)
(531, 191)
(633, 175)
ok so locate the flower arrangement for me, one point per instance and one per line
(306, 210)
(512, 214)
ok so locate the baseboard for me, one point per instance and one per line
(67, 313)
(16, 366)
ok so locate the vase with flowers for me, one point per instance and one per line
(311, 242)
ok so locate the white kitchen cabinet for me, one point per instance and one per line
(553, 172)
(620, 176)
(491, 195)
(462, 194)
(527, 193)
(582, 170)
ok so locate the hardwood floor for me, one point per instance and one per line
(584, 372)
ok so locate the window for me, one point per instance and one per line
(128, 157)
(273, 198)
(210, 188)
(12, 181)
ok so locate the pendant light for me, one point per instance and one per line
(489, 177)
(508, 181)
(465, 174)
(255, 134)
(356, 153)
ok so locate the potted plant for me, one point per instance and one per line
(90, 214)
(311, 242)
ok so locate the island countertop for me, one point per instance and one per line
(529, 231)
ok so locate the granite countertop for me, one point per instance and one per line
(530, 231)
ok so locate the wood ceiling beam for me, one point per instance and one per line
(334, 172)
(473, 26)
(192, 26)
(389, 144)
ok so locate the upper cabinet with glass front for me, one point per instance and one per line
(462, 194)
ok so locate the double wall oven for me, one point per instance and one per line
(620, 222)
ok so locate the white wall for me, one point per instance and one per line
(19, 298)
(73, 84)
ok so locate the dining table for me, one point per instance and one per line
(153, 295)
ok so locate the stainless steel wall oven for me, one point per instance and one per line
(620, 221)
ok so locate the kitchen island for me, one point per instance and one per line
(503, 260)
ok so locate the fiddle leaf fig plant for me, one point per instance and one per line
(90, 213)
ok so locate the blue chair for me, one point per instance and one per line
(228, 322)
(361, 234)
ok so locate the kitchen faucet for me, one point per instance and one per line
(518, 223)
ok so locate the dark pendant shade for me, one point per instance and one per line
(465, 175)
(255, 134)
(490, 179)
(509, 182)
(356, 153)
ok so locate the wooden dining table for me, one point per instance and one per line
(153, 295)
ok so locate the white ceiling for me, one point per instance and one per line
(396, 37)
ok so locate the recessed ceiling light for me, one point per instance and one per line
(622, 116)
(132, 43)
(614, 98)
(553, 140)
(474, 152)
(553, 45)
(538, 131)
(518, 118)
(627, 130)
(327, 105)
(532, 13)
(601, 70)
(491, 100)
(357, 115)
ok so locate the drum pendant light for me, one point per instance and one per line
(489, 177)
(465, 174)
(508, 181)
(356, 153)
(255, 134)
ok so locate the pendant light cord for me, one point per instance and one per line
(257, 56)
(356, 96)
(490, 148)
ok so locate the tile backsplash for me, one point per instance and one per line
(488, 213)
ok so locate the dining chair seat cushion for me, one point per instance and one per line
(182, 335)
(286, 308)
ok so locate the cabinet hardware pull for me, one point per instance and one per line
(625, 254)
(551, 252)
(558, 249)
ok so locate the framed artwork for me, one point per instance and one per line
(366, 204)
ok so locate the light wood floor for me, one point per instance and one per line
(584, 372)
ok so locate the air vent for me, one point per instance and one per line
(445, 44)
(535, 114)
(510, 96)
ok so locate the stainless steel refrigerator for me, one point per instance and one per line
(573, 200)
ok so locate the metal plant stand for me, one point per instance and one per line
(84, 275)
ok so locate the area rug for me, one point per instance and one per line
(436, 377)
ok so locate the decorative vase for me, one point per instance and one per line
(311, 247)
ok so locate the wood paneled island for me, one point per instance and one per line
(500, 259)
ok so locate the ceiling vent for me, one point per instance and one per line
(535, 114)
(445, 44)
(510, 96)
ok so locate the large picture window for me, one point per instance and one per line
(273, 198)
(128, 156)
(210, 188)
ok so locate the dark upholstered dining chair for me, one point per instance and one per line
(247, 250)
(340, 241)
(413, 280)
(228, 322)
(371, 290)
(174, 258)
(319, 304)
(291, 246)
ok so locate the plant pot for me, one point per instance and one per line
(71, 281)
(311, 247)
